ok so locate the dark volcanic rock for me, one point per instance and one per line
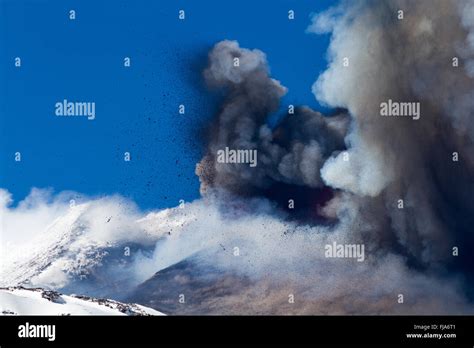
(206, 290)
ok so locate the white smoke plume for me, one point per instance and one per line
(408, 59)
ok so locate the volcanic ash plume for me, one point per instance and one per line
(400, 185)
(406, 51)
(293, 153)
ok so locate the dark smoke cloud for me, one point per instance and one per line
(293, 153)
(389, 158)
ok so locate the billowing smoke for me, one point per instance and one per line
(407, 180)
(401, 186)
(406, 51)
(293, 153)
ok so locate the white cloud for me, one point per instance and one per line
(71, 245)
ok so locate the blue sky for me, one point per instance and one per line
(136, 107)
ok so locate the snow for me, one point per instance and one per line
(22, 301)
(75, 243)
(29, 257)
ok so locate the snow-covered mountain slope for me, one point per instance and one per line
(86, 243)
(29, 257)
(37, 301)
